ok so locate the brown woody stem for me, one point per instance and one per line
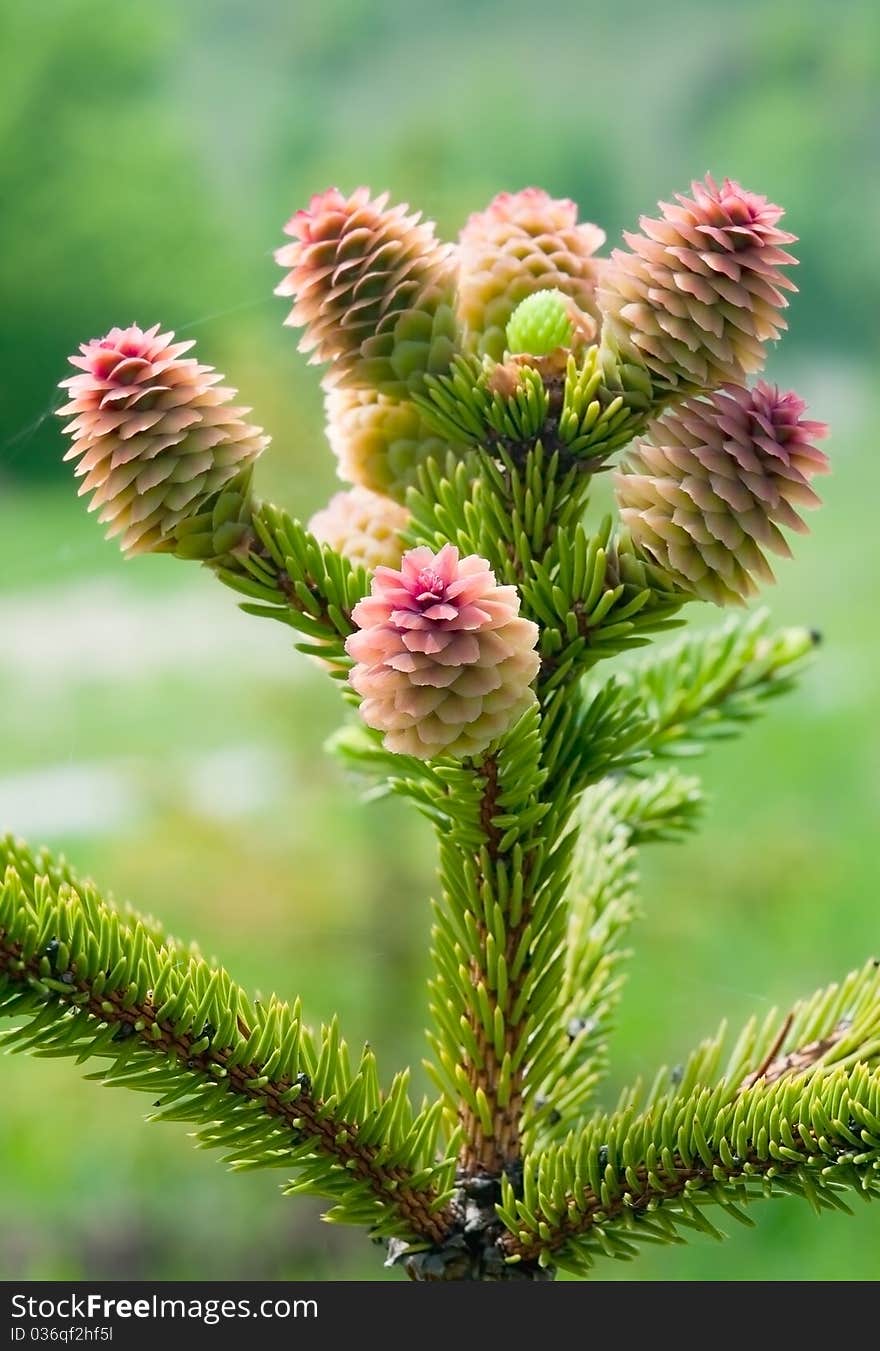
(775, 1065)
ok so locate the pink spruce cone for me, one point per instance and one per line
(373, 289)
(363, 527)
(705, 495)
(524, 242)
(701, 292)
(444, 661)
(154, 433)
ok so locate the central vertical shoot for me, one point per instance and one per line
(504, 854)
(491, 1078)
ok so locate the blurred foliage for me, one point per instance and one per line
(150, 158)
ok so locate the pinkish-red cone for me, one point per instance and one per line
(444, 662)
(154, 434)
(701, 291)
(705, 495)
(373, 289)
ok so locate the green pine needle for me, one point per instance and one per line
(80, 979)
(796, 1111)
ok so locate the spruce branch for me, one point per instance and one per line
(779, 1140)
(33, 864)
(588, 607)
(664, 807)
(706, 687)
(838, 1026)
(505, 855)
(536, 432)
(579, 408)
(809, 1125)
(291, 577)
(702, 689)
(79, 979)
(503, 509)
(778, 1063)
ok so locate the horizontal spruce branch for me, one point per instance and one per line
(810, 1141)
(795, 1108)
(80, 980)
(706, 687)
(289, 576)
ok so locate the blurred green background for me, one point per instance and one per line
(150, 155)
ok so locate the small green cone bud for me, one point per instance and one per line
(540, 324)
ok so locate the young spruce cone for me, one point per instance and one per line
(701, 292)
(704, 496)
(373, 289)
(444, 661)
(379, 442)
(523, 242)
(362, 526)
(155, 434)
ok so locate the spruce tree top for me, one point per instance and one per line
(464, 598)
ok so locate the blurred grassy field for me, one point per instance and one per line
(173, 747)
